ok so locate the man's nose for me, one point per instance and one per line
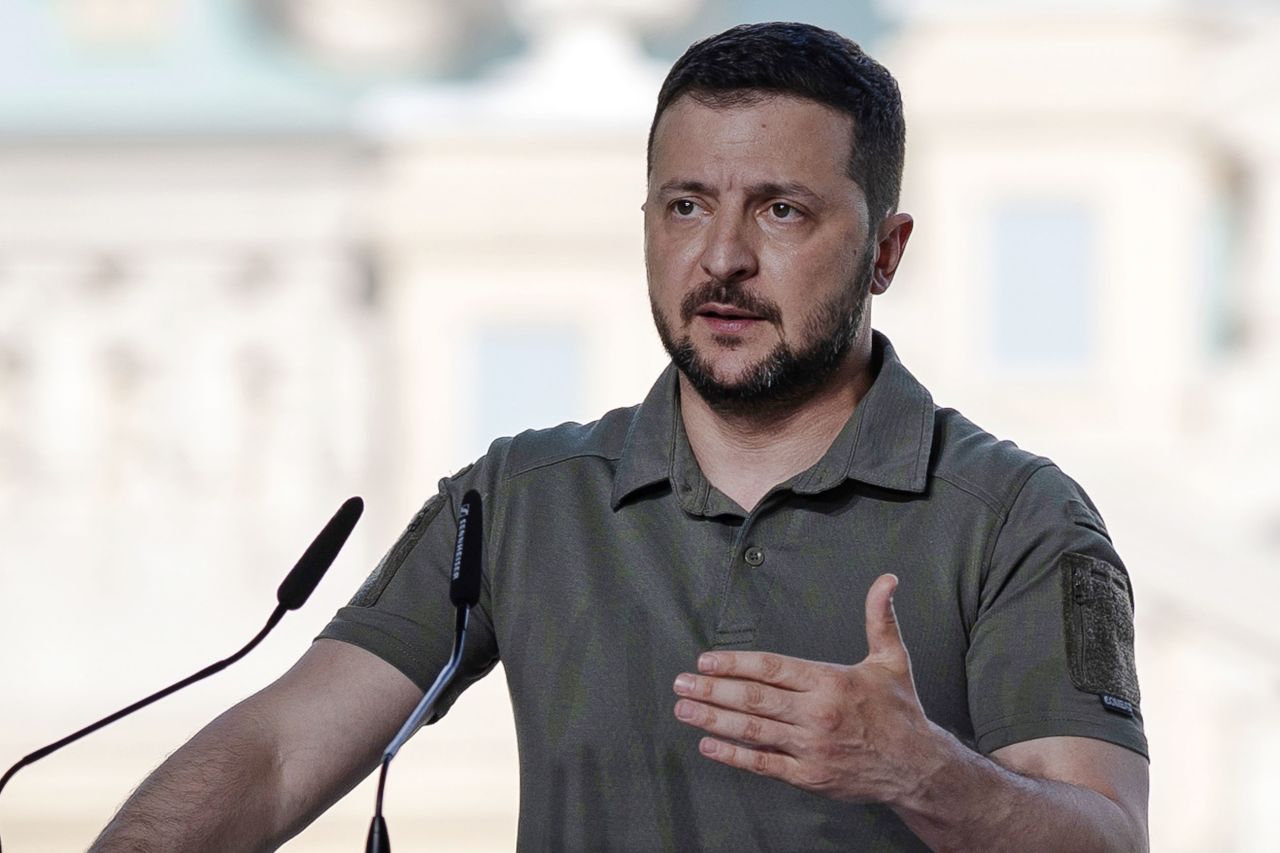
(730, 252)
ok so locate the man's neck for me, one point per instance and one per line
(745, 454)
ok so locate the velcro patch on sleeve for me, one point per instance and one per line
(374, 585)
(1097, 610)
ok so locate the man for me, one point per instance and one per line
(768, 534)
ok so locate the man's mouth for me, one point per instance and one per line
(726, 312)
(718, 302)
(727, 319)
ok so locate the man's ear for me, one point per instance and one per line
(891, 242)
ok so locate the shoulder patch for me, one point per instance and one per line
(1097, 613)
(371, 590)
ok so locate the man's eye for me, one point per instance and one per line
(684, 207)
(782, 210)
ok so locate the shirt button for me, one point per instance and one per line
(754, 555)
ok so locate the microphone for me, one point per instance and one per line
(302, 579)
(464, 592)
(292, 594)
(464, 583)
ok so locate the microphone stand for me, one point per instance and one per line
(276, 615)
(378, 840)
(292, 594)
(464, 592)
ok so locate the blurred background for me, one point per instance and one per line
(260, 255)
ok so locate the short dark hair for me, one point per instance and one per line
(741, 64)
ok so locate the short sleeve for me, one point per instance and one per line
(1051, 651)
(402, 612)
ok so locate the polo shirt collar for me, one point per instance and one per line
(888, 439)
(648, 453)
(886, 443)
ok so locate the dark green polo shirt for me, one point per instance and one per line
(610, 563)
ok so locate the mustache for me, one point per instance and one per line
(728, 294)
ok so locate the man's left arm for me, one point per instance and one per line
(858, 733)
(1056, 793)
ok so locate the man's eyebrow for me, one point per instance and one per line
(767, 189)
(786, 189)
(685, 186)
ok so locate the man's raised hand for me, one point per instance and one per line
(854, 733)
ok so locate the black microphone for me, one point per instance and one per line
(464, 592)
(464, 583)
(302, 579)
(292, 594)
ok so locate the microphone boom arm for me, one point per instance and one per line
(142, 703)
(212, 669)
(292, 594)
(378, 841)
(428, 701)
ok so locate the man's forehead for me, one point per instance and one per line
(775, 136)
(744, 102)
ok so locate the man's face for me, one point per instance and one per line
(756, 246)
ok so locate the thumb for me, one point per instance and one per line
(884, 640)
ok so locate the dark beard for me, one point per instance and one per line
(785, 376)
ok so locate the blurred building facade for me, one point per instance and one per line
(346, 269)
(1094, 275)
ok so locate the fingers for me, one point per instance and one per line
(778, 670)
(748, 696)
(736, 726)
(884, 639)
(776, 764)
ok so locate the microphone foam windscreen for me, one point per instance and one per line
(315, 561)
(464, 587)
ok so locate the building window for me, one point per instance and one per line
(529, 377)
(1223, 308)
(1044, 284)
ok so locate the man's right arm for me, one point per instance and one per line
(263, 770)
